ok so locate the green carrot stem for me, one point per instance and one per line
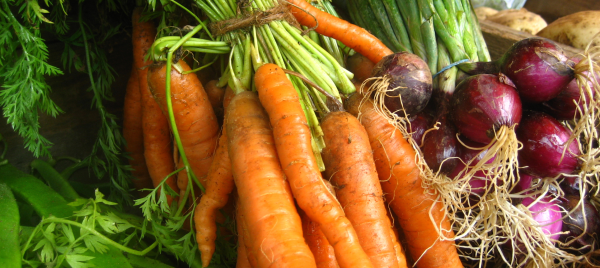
(246, 76)
(234, 82)
(295, 65)
(296, 53)
(238, 61)
(213, 9)
(196, 17)
(224, 78)
(320, 54)
(273, 47)
(206, 50)
(212, 15)
(313, 35)
(226, 9)
(101, 236)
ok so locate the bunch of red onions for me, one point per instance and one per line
(524, 113)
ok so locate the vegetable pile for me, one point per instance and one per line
(302, 134)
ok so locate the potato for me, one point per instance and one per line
(576, 30)
(520, 20)
(483, 12)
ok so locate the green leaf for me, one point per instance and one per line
(79, 202)
(68, 232)
(100, 199)
(79, 261)
(47, 253)
(94, 243)
(35, 6)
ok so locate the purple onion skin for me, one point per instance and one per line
(419, 124)
(543, 139)
(538, 67)
(524, 184)
(411, 80)
(441, 144)
(563, 106)
(482, 104)
(478, 183)
(574, 224)
(571, 185)
(547, 213)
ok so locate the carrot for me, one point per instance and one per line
(229, 94)
(243, 260)
(351, 35)
(350, 167)
(157, 139)
(194, 117)
(360, 66)
(316, 240)
(398, 247)
(219, 184)
(401, 183)
(215, 96)
(274, 227)
(292, 140)
(132, 132)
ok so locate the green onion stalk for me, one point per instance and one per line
(417, 26)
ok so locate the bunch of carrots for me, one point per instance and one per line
(252, 147)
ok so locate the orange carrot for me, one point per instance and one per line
(292, 140)
(157, 138)
(401, 183)
(132, 132)
(274, 227)
(194, 117)
(215, 96)
(316, 240)
(219, 184)
(243, 260)
(350, 168)
(360, 66)
(351, 35)
(227, 97)
(398, 247)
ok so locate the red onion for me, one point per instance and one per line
(410, 84)
(479, 183)
(538, 67)
(543, 139)
(546, 213)
(524, 183)
(482, 104)
(419, 124)
(575, 224)
(564, 106)
(440, 145)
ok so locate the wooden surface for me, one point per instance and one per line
(499, 38)
(551, 10)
